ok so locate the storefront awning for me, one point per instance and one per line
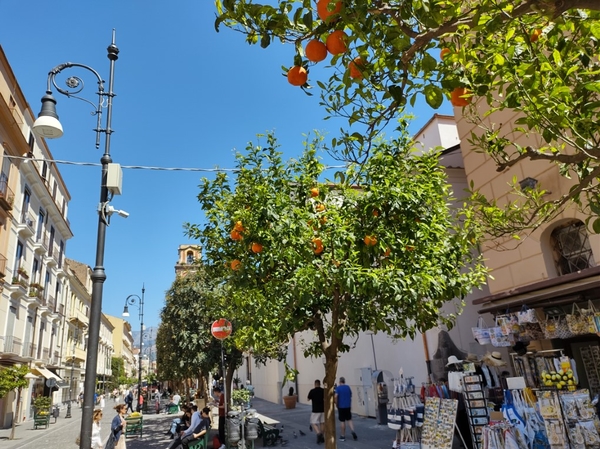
(45, 373)
(551, 292)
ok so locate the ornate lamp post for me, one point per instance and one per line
(130, 301)
(48, 126)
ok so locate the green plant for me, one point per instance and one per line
(291, 391)
(240, 396)
(42, 404)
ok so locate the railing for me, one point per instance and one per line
(60, 309)
(46, 355)
(2, 266)
(12, 344)
(51, 302)
(28, 219)
(7, 196)
(29, 350)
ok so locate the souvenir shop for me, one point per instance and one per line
(537, 387)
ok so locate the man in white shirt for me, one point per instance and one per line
(176, 398)
(196, 420)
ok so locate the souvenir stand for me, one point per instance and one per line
(405, 414)
(477, 410)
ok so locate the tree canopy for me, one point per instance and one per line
(379, 248)
(536, 57)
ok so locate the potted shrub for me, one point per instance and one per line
(42, 405)
(291, 399)
(240, 398)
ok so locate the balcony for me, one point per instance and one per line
(12, 345)
(40, 246)
(51, 257)
(78, 315)
(46, 355)
(29, 350)
(35, 291)
(2, 266)
(26, 228)
(60, 309)
(7, 196)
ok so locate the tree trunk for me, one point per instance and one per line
(17, 416)
(330, 374)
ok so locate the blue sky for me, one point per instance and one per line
(187, 97)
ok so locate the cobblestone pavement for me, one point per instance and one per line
(62, 434)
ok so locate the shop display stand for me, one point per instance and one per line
(531, 365)
(440, 424)
(590, 355)
(475, 403)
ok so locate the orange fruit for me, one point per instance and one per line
(325, 10)
(315, 51)
(297, 76)
(375, 213)
(356, 66)
(256, 248)
(336, 43)
(370, 240)
(314, 192)
(387, 253)
(235, 235)
(460, 97)
(535, 35)
(235, 264)
(238, 227)
(317, 245)
(323, 220)
(409, 248)
(445, 52)
(320, 207)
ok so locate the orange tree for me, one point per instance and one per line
(377, 249)
(536, 57)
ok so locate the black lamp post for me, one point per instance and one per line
(130, 301)
(48, 126)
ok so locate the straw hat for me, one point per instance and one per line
(493, 359)
(453, 360)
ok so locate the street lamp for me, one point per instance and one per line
(130, 301)
(48, 126)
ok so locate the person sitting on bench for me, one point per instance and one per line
(199, 431)
(180, 424)
(195, 422)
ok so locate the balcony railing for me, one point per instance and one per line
(2, 266)
(46, 355)
(7, 196)
(12, 344)
(60, 309)
(27, 225)
(29, 350)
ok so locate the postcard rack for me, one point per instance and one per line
(476, 407)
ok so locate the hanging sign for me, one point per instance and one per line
(221, 329)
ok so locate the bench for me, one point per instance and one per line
(202, 443)
(173, 409)
(134, 426)
(269, 434)
(41, 421)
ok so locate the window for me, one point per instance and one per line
(25, 206)
(51, 242)
(572, 251)
(19, 257)
(44, 170)
(190, 258)
(40, 228)
(35, 275)
(31, 141)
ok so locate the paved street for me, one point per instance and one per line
(62, 434)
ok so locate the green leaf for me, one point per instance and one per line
(434, 96)
(596, 225)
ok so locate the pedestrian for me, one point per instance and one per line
(140, 403)
(343, 401)
(199, 431)
(81, 399)
(181, 423)
(186, 434)
(102, 402)
(221, 405)
(117, 425)
(317, 418)
(129, 401)
(176, 398)
(96, 438)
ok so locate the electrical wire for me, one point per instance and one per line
(144, 167)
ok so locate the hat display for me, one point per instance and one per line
(453, 360)
(493, 359)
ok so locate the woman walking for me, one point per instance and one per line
(96, 438)
(117, 425)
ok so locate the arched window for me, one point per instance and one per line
(190, 257)
(572, 251)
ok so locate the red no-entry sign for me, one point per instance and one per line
(221, 329)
